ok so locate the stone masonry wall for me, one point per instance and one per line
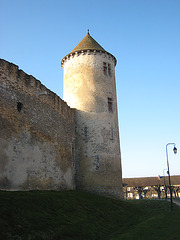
(36, 134)
(90, 88)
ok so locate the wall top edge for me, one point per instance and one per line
(19, 80)
(89, 52)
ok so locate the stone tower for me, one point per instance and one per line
(90, 88)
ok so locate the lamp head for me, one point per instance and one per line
(175, 150)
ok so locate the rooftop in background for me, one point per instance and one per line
(150, 181)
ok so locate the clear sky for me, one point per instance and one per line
(144, 36)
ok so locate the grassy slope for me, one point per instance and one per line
(67, 215)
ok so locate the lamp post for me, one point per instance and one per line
(175, 151)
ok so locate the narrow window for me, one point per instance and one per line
(112, 135)
(109, 69)
(96, 162)
(110, 104)
(86, 133)
(105, 68)
(19, 106)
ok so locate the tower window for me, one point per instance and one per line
(109, 69)
(110, 105)
(112, 135)
(19, 106)
(96, 162)
(86, 133)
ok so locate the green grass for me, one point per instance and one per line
(67, 215)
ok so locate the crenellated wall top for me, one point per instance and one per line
(11, 77)
(88, 52)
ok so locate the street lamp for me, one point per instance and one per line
(175, 151)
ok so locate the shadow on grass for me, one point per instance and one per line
(67, 215)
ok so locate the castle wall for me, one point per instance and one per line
(89, 86)
(36, 134)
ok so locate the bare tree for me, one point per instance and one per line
(157, 188)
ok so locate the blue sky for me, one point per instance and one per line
(144, 36)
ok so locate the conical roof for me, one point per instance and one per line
(88, 43)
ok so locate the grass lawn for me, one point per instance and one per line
(67, 215)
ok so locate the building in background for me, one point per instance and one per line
(151, 187)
